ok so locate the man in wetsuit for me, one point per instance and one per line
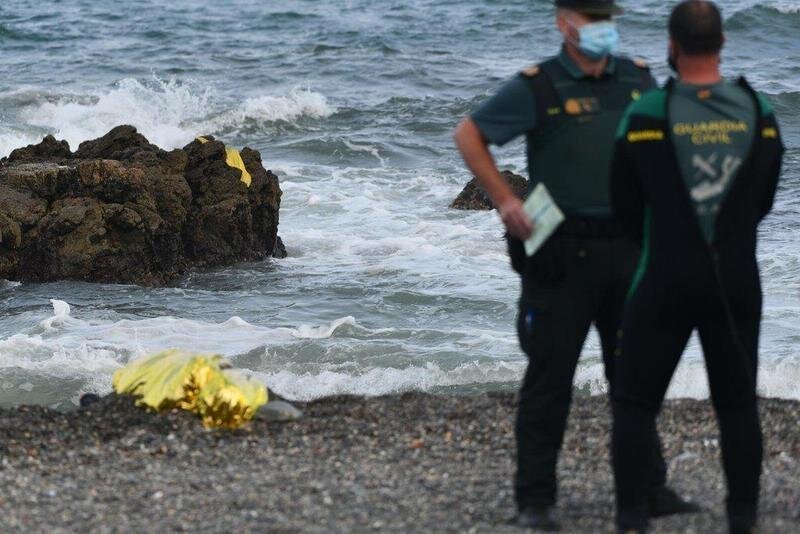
(695, 170)
(568, 107)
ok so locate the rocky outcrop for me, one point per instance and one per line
(473, 197)
(121, 210)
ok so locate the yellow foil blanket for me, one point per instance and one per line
(234, 159)
(201, 383)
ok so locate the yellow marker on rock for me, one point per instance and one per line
(234, 159)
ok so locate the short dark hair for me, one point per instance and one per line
(696, 27)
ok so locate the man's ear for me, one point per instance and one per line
(561, 22)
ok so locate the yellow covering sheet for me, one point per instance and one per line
(201, 383)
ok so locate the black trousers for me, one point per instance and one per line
(568, 285)
(659, 320)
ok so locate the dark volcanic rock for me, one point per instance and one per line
(49, 148)
(473, 197)
(121, 210)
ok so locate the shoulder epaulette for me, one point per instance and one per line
(641, 63)
(531, 71)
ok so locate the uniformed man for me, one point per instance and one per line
(568, 108)
(695, 170)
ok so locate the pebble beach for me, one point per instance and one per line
(403, 463)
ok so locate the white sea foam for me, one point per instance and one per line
(163, 111)
(366, 148)
(234, 336)
(9, 140)
(61, 316)
(269, 108)
(64, 347)
(88, 352)
(63, 336)
(690, 379)
(729, 9)
(59, 358)
(170, 114)
(776, 379)
(785, 6)
(383, 381)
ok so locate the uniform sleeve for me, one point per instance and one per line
(508, 114)
(627, 198)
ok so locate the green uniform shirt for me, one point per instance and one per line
(570, 149)
(713, 128)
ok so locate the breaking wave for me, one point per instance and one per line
(64, 356)
(170, 114)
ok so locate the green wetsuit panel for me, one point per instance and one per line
(713, 128)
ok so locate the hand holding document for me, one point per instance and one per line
(545, 215)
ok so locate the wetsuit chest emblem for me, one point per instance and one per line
(714, 132)
(712, 179)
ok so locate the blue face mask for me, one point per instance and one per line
(598, 39)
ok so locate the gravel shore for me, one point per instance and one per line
(404, 463)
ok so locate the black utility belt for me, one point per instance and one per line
(590, 227)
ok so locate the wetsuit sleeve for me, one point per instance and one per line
(627, 199)
(771, 187)
(508, 114)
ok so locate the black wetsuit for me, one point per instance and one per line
(685, 283)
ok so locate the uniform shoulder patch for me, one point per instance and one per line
(531, 71)
(641, 63)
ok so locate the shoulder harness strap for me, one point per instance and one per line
(540, 81)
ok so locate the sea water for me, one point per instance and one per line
(352, 103)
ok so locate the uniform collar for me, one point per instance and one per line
(575, 71)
